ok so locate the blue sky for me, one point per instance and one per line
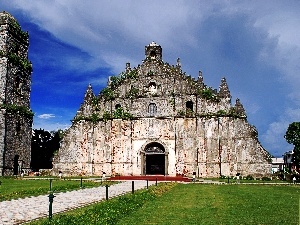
(254, 44)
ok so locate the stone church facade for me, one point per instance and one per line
(15, 82)
(154, 119)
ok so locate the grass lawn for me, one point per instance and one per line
(193, 204)
(221, 204)
(233, 181)
(12, 188)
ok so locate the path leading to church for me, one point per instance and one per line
(22, 210)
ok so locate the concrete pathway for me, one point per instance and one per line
(23, 210)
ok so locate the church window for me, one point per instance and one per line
(152, 88)
(152, 54)
(189, 106)
(152, 109)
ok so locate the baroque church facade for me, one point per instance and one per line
(154, 119)
(15, 83)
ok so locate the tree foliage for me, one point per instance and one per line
(43, 146)
(292, 136)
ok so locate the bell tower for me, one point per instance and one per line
(15, 85)
(153, 51)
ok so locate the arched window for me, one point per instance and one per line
(152, 54)
(189, 106)
(152, 88)
(152, 109)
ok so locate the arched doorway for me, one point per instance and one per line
(16, 164)
(154, 159)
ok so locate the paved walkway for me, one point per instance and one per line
(22, 210)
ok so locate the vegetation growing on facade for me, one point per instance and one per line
(220, 113)
(106, 116)
(20, 62)
(18, 109)
(132, 93)
(131, 75)
(108, 94)
(15, 59)
(118, 80)
(190, 113)
(172, 101)
(93, 118)
(150, 73)
(233, 113)
(95, 102)
(17, 28)
(208, 94)
(120, 113)
(181, 113)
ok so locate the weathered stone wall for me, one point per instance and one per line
(15, 82)
(192, 144)
(192, 127)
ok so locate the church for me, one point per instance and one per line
(153, 119)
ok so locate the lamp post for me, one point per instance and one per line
(50, 185)
(51, 197)
(132, 187)
(106, 187)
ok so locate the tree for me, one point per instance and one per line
(43, 146)
(292, 136)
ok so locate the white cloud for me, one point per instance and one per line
(46, 116)
(51, 126)
(114, 33)
(274, 136)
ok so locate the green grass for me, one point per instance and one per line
(222, 204)
(193, 204)
(12, 188)
(233, 181)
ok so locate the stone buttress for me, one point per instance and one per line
(15, 82)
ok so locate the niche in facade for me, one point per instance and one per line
(152, 88)
(189, 106)
(152, 109)
(18, 128)
(117, 106)
(153, 54)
